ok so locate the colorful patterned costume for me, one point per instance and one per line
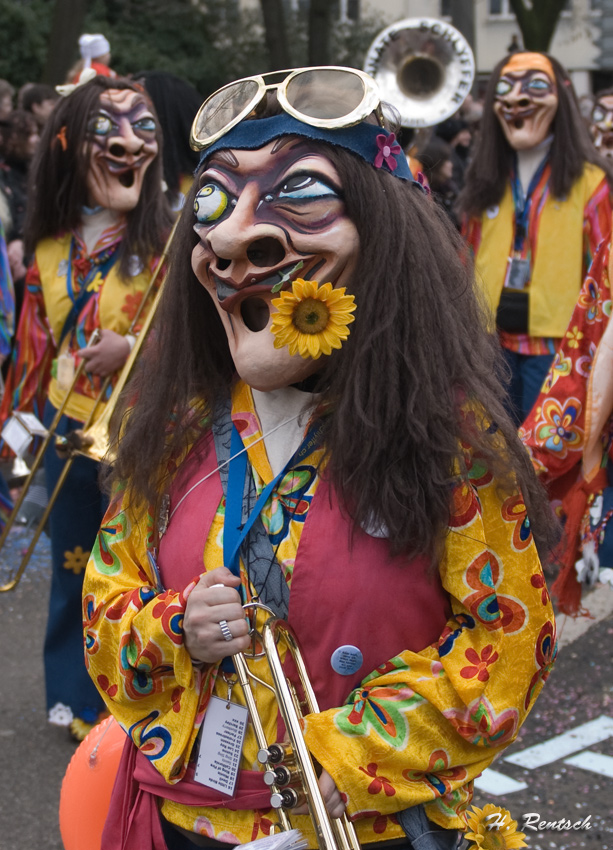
(60, 271)
(568, 431)
(7, 300)
(562, 238)
(7, 329)
(414, 726)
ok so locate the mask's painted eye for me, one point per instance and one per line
(305, 187)
(503, 87)
(539, 86)
(145, 125)
(100, 125)
(210, 203)
(598, 114)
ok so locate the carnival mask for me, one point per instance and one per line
(526, 100)
(265, 218)
(602, 125)
(123, 136)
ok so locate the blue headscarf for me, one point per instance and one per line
(368, 141)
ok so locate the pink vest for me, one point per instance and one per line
(345, 590)
(332, 603)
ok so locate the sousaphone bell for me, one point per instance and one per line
(424, 67)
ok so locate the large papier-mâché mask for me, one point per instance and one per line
(526, 100)
(122, 135)
(258, 215)
(602, 125)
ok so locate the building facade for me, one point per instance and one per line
(583, 41)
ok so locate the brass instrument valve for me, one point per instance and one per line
(280, 776)
(277, 754)
(288, 798)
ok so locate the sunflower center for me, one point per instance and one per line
(311, 316)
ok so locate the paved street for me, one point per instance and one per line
(568, 779)
(572, 720)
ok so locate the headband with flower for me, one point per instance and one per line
(369, 141)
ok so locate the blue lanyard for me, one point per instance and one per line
(79, 301)
(523, 203)
(234, 532)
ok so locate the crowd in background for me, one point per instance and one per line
(23, 113)
(439, 156)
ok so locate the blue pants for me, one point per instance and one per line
(528, 371)
(73, 524)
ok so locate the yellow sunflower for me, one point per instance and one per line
(491, 828)
(312, 319)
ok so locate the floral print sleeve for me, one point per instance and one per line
(597, 220)
(134, 646)
(555, 430)
(7, 299)
(417, 730)
(427, 723)
(28, 377)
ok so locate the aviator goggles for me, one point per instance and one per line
(328, 97)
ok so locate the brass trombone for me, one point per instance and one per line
(94, 431)
(289, 768)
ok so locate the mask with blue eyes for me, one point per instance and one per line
(123, 133)
(525, 103)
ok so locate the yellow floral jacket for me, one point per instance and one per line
(418, 729)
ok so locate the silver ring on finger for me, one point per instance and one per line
(225, 630)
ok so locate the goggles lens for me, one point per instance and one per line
(327, 93)
(222, 109)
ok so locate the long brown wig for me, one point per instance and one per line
(418, 356)
(493, 158)
(58, 188)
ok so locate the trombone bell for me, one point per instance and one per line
(423, 67)
(92, 442)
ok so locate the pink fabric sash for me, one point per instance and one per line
(135, 820)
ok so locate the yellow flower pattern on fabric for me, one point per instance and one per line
(418, 729)
(96, 283)
(76, 560)
(311, 319)
(492, 828)
(574, 337)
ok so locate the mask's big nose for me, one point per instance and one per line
(266, 252)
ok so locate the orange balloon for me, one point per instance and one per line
(87, 786)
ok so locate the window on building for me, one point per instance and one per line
(446, 8)
(349, 10)
(500, 8)
(353, 10)
(342, 10)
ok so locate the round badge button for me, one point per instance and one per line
(346, 660)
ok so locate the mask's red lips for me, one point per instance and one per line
(229, 295)
(517, 117)
(117, 167)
